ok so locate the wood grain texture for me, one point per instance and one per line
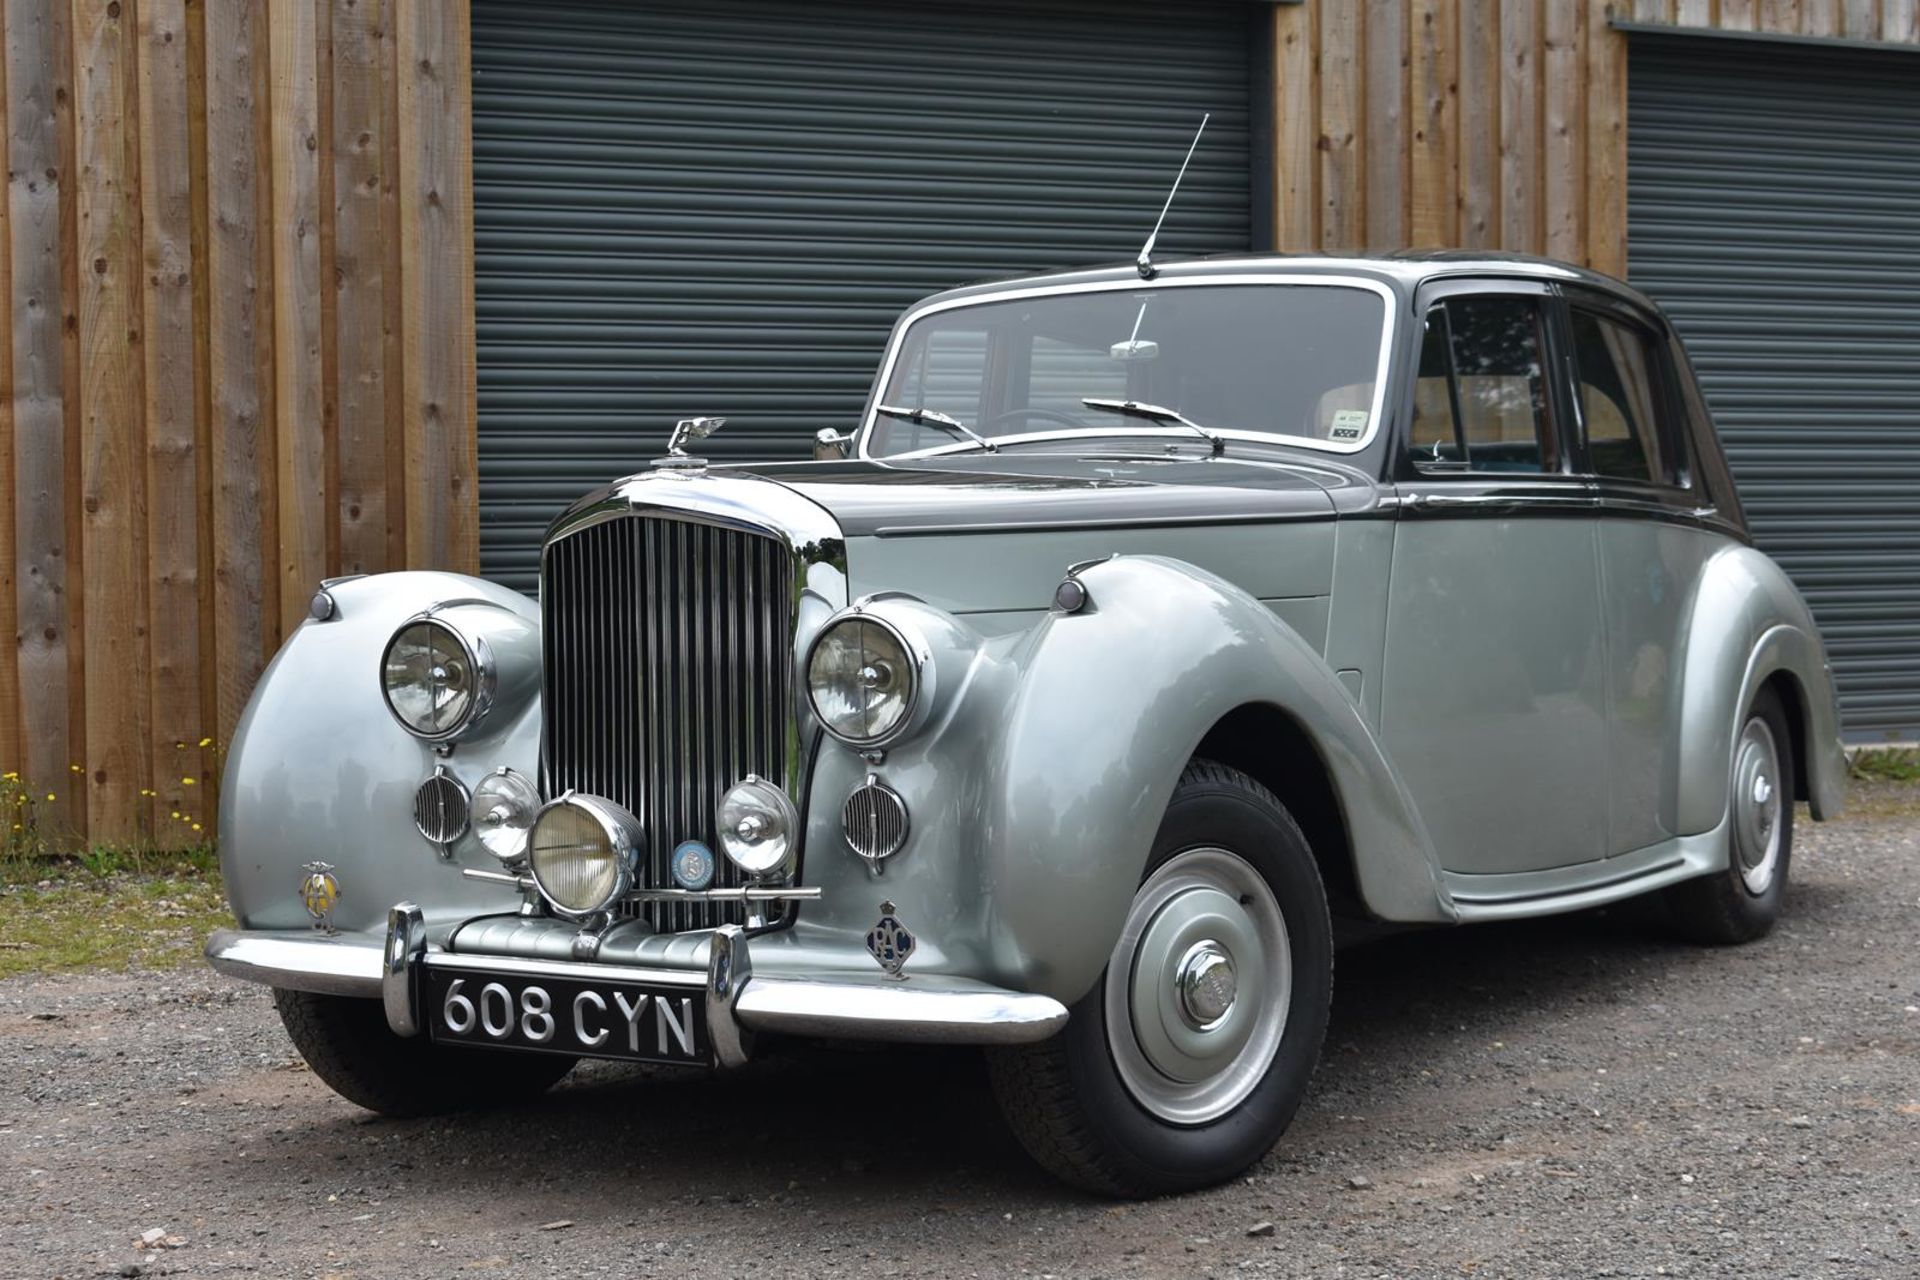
(1342, 112)
(1738, 15)
(1479, 80)
(1899, 22)
(37, 168)
(1521, 204)
(1434, 180)
(300, 440)
(172, 472)
(1820, 17)
(113, 474)
(1606, 185)
(239, 338)
(1780, 15)
(1386, 150)
(1694, 13)
(1564, 154)
(1296, 160)
(362, 228)
(11, 724)
(1860, 19)
(436, 245)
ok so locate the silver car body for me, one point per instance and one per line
(1481, 701)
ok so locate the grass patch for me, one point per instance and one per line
(109, 909)
(1886, 764)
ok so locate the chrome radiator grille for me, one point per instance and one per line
(668, 650)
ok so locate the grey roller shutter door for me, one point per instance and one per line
(1773, 207)
(720, 207)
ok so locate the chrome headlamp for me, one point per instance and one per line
(450, 668)
(865, 677)
(759, 828)
(504, 807)
(582, 852)
(437, 680)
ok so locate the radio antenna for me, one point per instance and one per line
(1145, 261)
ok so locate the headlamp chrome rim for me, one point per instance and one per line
(509, 777)
(623, 835)
(480, 661)
(918, 658)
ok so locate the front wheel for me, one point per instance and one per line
(349, 1046)
(1189, 1057)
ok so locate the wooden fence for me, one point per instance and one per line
(238, 354)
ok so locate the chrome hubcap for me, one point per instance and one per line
(1206, 985)
(1198, 988)
(1757, 802)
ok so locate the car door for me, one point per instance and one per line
(1653, 542)
(1493, 699)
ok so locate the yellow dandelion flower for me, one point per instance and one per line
(49, 795)
(196, 826)
(176, 813)
(74, 767)
(206, 742)
(186, 782)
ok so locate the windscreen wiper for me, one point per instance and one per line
(933, 417)
(1157, 413)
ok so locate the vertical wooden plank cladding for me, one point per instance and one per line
(1737, 15)
(1295, 158)
(1860, 19)
(239, 354)
(1820, 17)
(172, 476)
(1898, 21)
(359, 282)
(10, 723)
(1694, 13)
(1564, 159)
(112, 477)
(300, 443)
(1386, 150)
(1520, 126)
(37, 171)
(1479, 79)
(1779, 15)
(1342, 192)
(1606, 76)
(436, 246)
(1435, 97)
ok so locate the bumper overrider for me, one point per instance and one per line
(407, 972)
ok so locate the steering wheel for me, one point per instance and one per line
(1033, 411)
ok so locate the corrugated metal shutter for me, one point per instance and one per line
(700, 207)
(1774, 208)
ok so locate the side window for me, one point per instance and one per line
(1619, 408)
(1480, 397)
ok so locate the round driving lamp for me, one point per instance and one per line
(433, 678)
(758, 828)
(504, 807)
(862, 679)
(582, 852)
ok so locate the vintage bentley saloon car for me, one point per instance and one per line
(1149, 621)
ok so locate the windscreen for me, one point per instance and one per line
(1292, 360)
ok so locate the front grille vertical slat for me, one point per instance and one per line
(668, 649)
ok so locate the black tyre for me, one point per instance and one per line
(1741, 903)
(1187, 1060)
(348, 1044)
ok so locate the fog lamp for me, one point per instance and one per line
(758, 828)
(582, 853)
(504, 807)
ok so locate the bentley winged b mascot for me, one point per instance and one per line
(1151, 617)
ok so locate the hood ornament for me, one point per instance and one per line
(685, 432)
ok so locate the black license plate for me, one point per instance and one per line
(609, 1019)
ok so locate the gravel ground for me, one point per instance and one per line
(1567, 1098)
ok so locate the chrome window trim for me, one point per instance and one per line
(1387, 320)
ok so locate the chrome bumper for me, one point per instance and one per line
(919, 1008)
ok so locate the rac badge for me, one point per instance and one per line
(318, 894)
(889, 942)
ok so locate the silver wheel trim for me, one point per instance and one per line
(1759, 799)
(1182, 1067)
